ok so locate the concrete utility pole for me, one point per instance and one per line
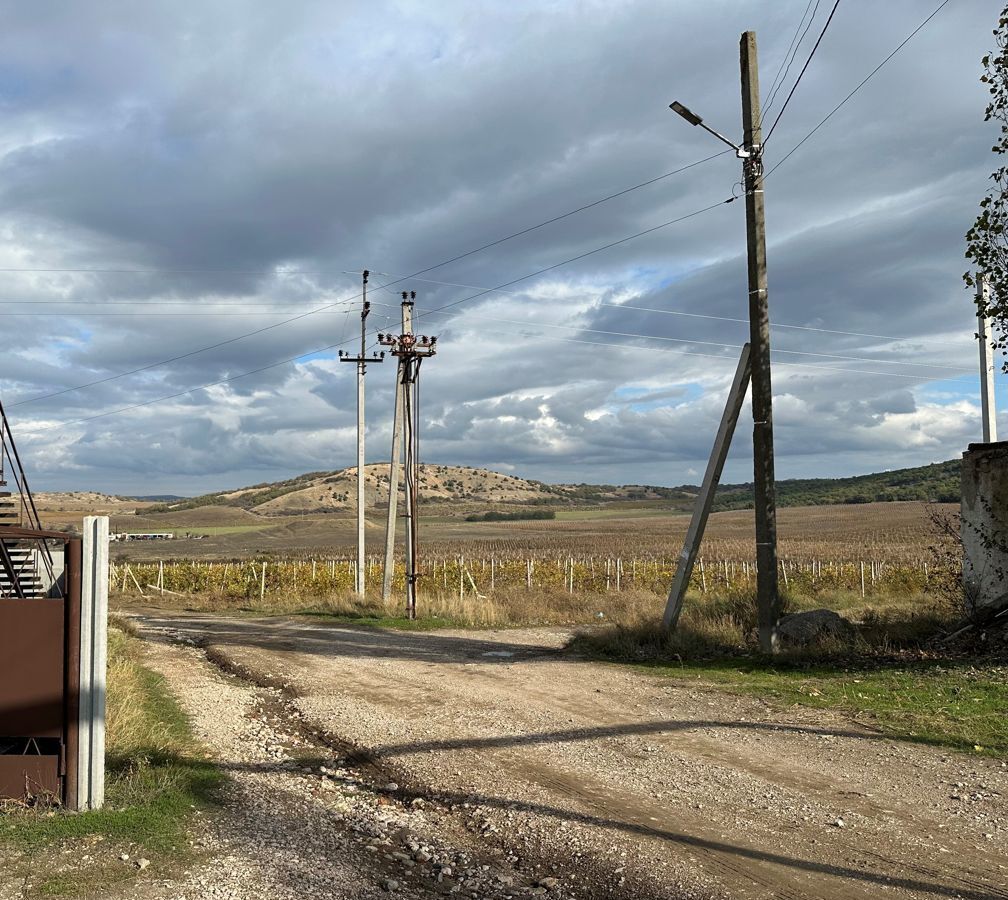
(988, 407)
(410, 353)
(362, 362)
(388, 573)
(767, 598)
(751, 154)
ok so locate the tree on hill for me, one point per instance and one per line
(987, 239)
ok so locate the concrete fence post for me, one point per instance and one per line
(93, 659)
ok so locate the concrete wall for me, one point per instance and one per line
(984, 526)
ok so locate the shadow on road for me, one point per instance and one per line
(334, 641)
(744, 864)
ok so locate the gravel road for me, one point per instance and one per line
(491, 764)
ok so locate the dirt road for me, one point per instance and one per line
(586, 780)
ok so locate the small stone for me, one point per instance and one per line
(839, 823)
(124, 857)
(391, 787)
(417, 803)
(142, 863)
(548, 883)
(390, 884)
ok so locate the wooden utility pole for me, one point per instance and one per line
(988, 408)
(362, 362)
(388, 573)
(767, 599)
(410, 352)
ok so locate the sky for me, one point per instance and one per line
(189, 193)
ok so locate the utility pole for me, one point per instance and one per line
(988, 409)
(410, 352)
(362, 362)
(767, 598)
(388, 572)
(751, 154)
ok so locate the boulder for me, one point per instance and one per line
(805, 628)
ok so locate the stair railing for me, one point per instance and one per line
(16, 471)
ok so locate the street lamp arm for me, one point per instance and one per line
(694, 119)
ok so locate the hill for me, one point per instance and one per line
(938, 482)
(318, 492)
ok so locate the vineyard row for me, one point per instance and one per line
(251, 579)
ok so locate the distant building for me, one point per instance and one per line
(143, 536)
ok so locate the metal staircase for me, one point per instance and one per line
(23, 558)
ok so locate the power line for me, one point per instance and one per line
(866, 79)
(581, 256)
(657, 337)
(676, 312)
(353, 297)
(732, 359)
(789, 57)
(438, 309)
(673, 312)
(622, 346)
(794, 87)
(282, 270)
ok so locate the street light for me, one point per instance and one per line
(694, 119)
(751, 153)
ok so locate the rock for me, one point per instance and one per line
(549, 883)
(124, 857)
(839, 823)
(391, 787)
(806, 628)
(390, 884)
(142, 863)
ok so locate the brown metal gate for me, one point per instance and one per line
(39, 668)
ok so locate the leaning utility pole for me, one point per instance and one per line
(988, 409)
(410, 353)
(767, 598)
(388, 572)
(362, 362)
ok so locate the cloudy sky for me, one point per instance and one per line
(189, 191)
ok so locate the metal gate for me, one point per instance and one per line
(39, 667)
(40, 622)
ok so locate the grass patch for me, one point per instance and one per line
(155, 772)
(946, 704)
(888, 673)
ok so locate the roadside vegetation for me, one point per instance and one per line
(156, 776)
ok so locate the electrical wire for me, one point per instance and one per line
(656, 337)
(285, 271)
(794, 87)
(332, 346)
(866, 79)
(676, 312)
(789, 57)
(325, 307)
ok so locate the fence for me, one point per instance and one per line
(485, 575)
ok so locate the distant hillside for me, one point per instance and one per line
(330, 491)
(939, 482)
(317, 492)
